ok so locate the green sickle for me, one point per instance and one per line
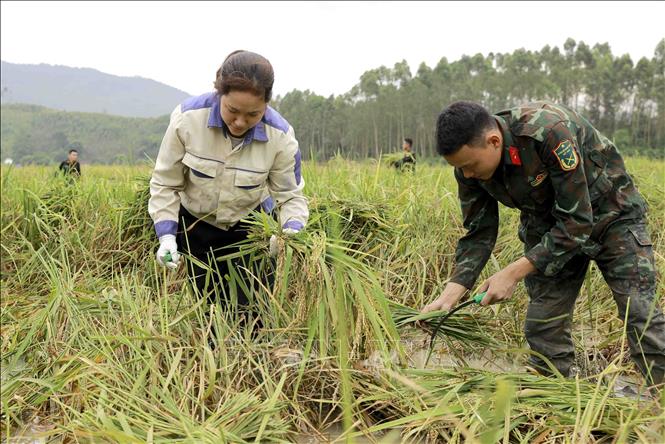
(474, 300)
(167, 257)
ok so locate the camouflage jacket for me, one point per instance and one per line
(567, 179)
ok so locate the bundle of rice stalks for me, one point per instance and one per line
(366, 226)
(470, 329)
(389, 159)
(463, 404)
(326, 295)
(321, 283)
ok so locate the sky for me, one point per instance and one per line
(320, 46)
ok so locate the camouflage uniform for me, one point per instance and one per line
(577, 203)
(406, 163)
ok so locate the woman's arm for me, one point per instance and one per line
(286, 185)
(167, 179)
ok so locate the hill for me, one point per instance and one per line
(86, 90)
(34, 134)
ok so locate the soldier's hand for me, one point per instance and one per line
(500, 287)
(448, 298)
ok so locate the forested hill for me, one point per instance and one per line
(88, 90)
(34, 134)
(624, 98)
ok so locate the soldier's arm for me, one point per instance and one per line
(480, 213)
(572, 207)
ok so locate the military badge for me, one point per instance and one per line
(566, 155)
(539, 179)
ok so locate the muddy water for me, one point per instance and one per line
(416, 348)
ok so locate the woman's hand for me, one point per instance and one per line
(168, 247)
(274, 242)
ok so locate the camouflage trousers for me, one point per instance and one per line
(626, 261)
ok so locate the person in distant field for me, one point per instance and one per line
(71, 167)
(578, 203)
(408, 161)
(225, 154)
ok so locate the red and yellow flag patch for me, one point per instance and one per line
(515, 155)
(567, 156)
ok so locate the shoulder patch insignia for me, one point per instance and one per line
(566, 155)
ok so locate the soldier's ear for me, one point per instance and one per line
(493, 139)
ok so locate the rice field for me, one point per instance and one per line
(100, 344)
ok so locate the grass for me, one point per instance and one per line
(99, 344)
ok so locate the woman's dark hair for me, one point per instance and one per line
(245, 71)
(409, 141)
(461, 123)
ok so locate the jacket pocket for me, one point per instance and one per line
(641, 235)
(203, 168)
(246, 192)
(250, 180)
(202, 188)
(600, 187)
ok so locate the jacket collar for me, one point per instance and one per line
(510, 155)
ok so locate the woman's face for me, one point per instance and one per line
(241, 111)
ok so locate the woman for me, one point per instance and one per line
(225, 154)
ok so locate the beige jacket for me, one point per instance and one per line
(198, 168)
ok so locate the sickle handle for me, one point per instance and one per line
(479, 297)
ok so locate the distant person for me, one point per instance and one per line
(578, 203)
(71, 167)
(408, 161)
(225, 154)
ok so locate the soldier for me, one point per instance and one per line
(577, 203)
(71, 167)
(408, 161)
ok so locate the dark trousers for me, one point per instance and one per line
(211, 278)
(626, 261)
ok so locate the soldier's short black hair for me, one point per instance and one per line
(459, 124)
(72, 151)
(409, 141)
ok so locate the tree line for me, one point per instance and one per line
(625, 100)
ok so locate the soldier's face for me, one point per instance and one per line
(73, 156)
(241, 111)
(479, 161)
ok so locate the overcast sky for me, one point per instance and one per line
(320, 46)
